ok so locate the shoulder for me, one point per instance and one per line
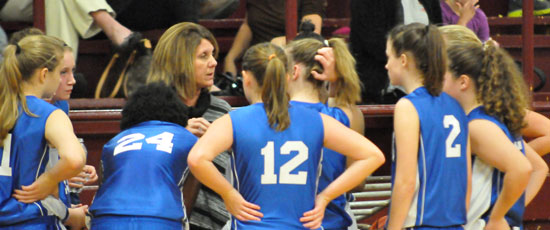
(218, 103)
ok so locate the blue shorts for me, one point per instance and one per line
(41, 223)
(114, 222)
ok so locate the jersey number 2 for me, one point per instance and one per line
(285, 177)
(5, 169)
(450, 150)
(130, 142)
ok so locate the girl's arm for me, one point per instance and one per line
(538, 129)
(407, 134)
(59, 133)
(540, 171)
(218, 138)
(367, 158)
(492, 146)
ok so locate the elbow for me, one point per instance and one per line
(379, 158)
(193, 161)
(76, 164)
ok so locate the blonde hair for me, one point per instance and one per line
(174, 57)
(269, 65)
(348, 85)
(20, 62)
(498, 81)
(457, 34)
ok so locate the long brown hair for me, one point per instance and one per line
(269, 65)
(174, 57)
(427, 47)
(499, 84)
(348, 86)
(20, 62)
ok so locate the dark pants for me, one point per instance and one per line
(147, 15)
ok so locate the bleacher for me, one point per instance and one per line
(96, 121)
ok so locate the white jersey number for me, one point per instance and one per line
(5, 169)
(130, 142)
(285, 177)
(450, 150)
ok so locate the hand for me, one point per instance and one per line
(77, 217)
(240, 208)
(497, 224)
(38, 190)
(197, 126)
(466, 11)
(325, 56)
(312, 219)
(87, 176)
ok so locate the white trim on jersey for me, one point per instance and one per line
(319, 171)
(41, 159)
(424, 177)
(480, 200)
(410, 221)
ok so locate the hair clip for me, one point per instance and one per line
(17, 49)
(325, 42)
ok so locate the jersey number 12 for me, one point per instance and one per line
(285, 177)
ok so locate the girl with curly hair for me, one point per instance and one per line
(488, 85)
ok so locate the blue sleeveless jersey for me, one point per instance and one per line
(24, 158)
(334, 164)
(277, 170)
(441, 183)
(142, 167)
(487, 181)
(63, 105)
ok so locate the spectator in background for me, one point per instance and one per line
(466, 13)
(264, 21)
(370, 22)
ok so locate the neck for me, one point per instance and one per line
(304, 93)
(469, 102)
(30, 89)
(254, 98)
(411, 83)
(193, 100)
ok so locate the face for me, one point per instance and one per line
(67, 78)
(393, 65)
(451, 85)
(205, 64)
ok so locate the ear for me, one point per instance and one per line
(42, 74)
(465, 82)
(246, 78)
(404, 59)
(296, 69)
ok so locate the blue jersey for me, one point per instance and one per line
(487, 181)
(24, 158)
(334, 164)
(142, 167)
(277, 170)
(442, 174)
(63, 105)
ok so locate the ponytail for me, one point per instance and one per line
(268, 65)
(348, 85)
(500, 87)
(427, 47)
(20, 62)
